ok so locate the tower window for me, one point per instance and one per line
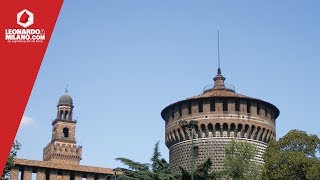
(189, 108)
(200, 106)
(237, 108)
(248, 107)
(66, 115)
(172, 113)
(212, 105)
(180, 110)
(225, 105)
(61, 114)
(65, 132)
(258, 108)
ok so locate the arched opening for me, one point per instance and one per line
(225, 130)
(232, 127)
(258, 133)
(251, 135)
(196, 131)
(217, 127)
(246, 133)
(65, 132)
(263, 133)
(180, 135)
(210, 129)
(240, 133)
(66, 115)
(203, 130)
(61, 114)
(266, 137)
(175, 136)
(225, 127)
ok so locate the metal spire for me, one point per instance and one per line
(219, 69)
(66, 89)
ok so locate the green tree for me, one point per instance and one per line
(295, 156)
(202, 172)
(158, 169)
(10, 162)
(239, 164)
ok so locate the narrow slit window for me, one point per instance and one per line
(189, 108)
(212, 105)
(200, 106)
(180, 110)
(258, 108)
(172, 113)
(225, 105)
(248, 107)
(237, 108)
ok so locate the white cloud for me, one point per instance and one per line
(26, 121)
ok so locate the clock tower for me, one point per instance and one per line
(63, 147)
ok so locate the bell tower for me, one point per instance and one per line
(63, 147)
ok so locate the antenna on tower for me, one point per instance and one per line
(66, 89)
(219, 69)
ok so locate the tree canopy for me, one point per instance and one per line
(239, 164)
(158, 169)
(295, 156)
(10, 163)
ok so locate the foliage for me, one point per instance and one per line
(10, 163)
(158, 170)
(202, 172)
(295, 157)
(239, 164)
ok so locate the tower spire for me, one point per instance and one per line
(219, 67)
(66, 89)
(219, 79)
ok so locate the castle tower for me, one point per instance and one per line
(63, 147)
(221, 115)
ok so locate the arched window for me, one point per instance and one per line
(66, 115)
(232, 127)
(65, 132)
(225, 126)
(61, 114)
(217, 127)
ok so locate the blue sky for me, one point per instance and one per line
(124, 61)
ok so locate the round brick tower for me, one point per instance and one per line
(221, 115)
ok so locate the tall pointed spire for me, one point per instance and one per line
(219, 79)
(219, 67)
